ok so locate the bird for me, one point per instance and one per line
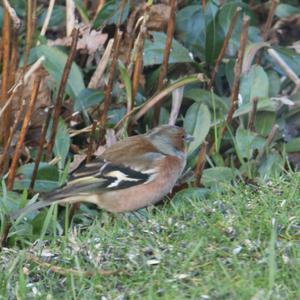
(131, 174)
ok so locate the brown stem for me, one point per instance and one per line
(108, 87)
(268, 142)
(91, 142)
(266, 29)
(4, 158)
(4, 232)
(60, 93)
(5, 122)
(224, 46)
(29, 31)
(40, 149)
(200, 164)
(236, 81)
(251, 120)
(20, 144)
(138, 54)
(164, 67)
(14, 57)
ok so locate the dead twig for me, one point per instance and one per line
(61, 89)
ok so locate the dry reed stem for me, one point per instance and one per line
(138, 51)
(94, 82)
(70, 16)
(4, 157)
(20, 83)
(47, 18)
(61, 89)
(5, 122)
(21, 139)
(285, 67)
(13, 14)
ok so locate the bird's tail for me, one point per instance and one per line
(32, 207)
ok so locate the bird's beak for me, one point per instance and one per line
(188, 138)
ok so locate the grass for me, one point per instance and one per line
(243, 243)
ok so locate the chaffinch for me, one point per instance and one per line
(131, 174)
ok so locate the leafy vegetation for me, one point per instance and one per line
(230, 77)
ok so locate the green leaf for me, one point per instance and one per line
(284, 10)
(191, 193)
(58, 17)
(82, 11)
(271, 166)
(293, 145)
(207, 97)
(213, 41)
(247, 142)
(54, 63)
(62, 143)
(39, 185)
(217, 175)
(88, 98)
(264, 122)
(263, 104)
(45, 171)
(109, 13)
(126, 80)
(190, 28)
(197, 123)
(153, 50)
(255, 83)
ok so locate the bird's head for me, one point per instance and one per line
(170, 139)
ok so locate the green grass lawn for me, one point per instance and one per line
(243, 243)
